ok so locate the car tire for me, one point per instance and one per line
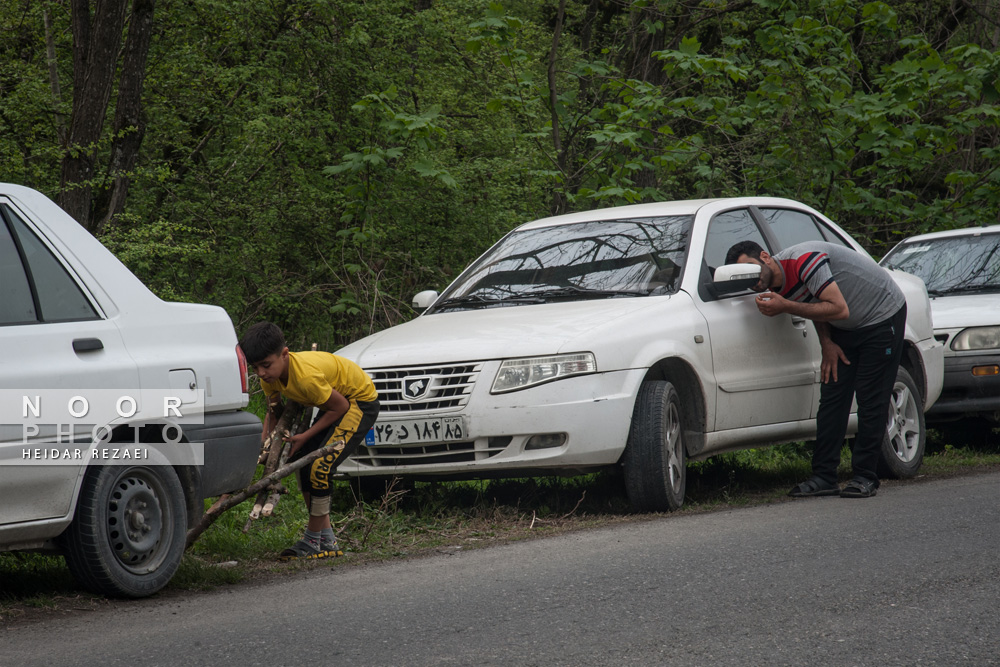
(127, 536)
(654, 460)
(905, 438)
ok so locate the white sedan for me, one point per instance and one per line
(600, 338)
(961, 269)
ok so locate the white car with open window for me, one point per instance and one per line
(606, 338)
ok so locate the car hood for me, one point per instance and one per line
(965, 310)
(493, 333)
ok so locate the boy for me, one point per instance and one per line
(348, 405)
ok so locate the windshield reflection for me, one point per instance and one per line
(589, 260)
(951, 265)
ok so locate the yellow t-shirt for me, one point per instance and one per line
(313, 375)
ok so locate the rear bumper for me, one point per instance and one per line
(232, 446)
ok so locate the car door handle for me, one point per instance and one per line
(87, 345)
(800, 324)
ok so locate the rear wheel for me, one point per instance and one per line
(905, 438)
(127, 536)
(654, 460)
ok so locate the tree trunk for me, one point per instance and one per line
(95, 54)
(130, 126)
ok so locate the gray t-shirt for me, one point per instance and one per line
(870, 292)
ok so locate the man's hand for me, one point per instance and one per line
(771, 304)
(831, 354)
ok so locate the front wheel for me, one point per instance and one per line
(654, 460)
(127, 537)
(905, 437)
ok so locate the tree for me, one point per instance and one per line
(97, 35)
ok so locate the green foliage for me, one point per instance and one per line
(316, 163)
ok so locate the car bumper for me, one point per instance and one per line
(965, 393)
(588, 418)
(232, 447)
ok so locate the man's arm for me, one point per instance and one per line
(831, 353)
(831, 305)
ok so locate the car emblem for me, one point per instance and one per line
(415, 388)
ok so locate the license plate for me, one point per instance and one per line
(415, 431)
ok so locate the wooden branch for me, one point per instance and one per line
(262, 484)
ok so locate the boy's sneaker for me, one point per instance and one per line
(330, 546)
(305, 549)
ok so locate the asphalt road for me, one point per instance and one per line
(909, 577)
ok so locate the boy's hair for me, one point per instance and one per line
(262, 340)
(751, 249)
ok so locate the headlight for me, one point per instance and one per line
(517, 374)
(977, 338)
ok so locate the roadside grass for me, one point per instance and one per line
(422, 518)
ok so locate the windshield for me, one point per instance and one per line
(587, 260)
(951, 265)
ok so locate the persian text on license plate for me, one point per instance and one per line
(442, 429)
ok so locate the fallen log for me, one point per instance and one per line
(208, 518)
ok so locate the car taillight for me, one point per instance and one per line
(243, 369)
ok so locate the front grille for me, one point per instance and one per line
(416, 388)
(431, 453)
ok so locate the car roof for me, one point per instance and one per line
(967, 231)
(657, 209)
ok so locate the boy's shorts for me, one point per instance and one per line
(352, 428)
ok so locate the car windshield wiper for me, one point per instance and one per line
(480, 301)
(574, 292)
(965, 289)
(471, 300)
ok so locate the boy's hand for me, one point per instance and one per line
(296, 442)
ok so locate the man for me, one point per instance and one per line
(860, 314)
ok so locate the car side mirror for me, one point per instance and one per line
(733, 278)
(423, 300)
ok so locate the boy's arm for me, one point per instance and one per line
(270, 418)
(333, 409)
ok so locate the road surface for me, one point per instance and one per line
(909, 577)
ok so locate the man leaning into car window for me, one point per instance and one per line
(860, 314)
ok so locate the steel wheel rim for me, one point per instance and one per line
(138, 522)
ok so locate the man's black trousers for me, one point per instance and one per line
(874, 352)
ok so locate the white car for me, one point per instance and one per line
(599, 339)
(961, 269)
(119, 413)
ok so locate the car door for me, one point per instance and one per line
(766, 368)
(54, 336)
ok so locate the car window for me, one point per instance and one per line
(952, 264)
(726, 230)
(16, 306)
(792, 227)
(59, 297)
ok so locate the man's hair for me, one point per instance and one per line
(749, 248)
(262, 340)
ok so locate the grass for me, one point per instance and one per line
(423, 518)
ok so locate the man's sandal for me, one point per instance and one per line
(859, 488)
(813, 487)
